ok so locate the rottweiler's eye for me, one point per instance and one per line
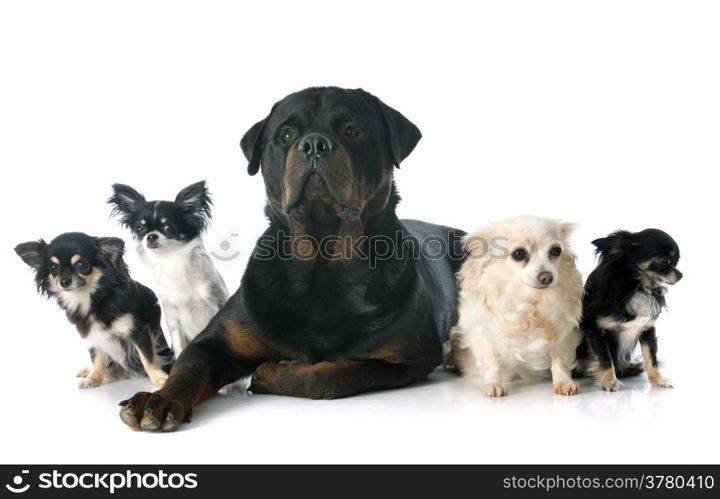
(82, 266)
(519, 254)
(555, 251)
(287, 135)
(351, 131)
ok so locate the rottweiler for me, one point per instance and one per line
(339, 296)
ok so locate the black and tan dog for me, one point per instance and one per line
(340, 296)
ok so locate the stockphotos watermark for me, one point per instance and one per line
(107, 482)
(373, 249)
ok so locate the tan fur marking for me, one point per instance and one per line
(75, 259)
(96, 376)
(243, 342)
(653, 372)
(154, 371)
(607, 380)
(55, 259)
(546, 329)
(389, 353)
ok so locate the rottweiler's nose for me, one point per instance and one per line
(315, 144)
(545, 278)
(65, 282)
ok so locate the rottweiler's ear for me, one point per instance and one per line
(402, 133)
(252, 146)
(32, 252)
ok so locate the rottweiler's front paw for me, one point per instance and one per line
(154, 412)
(266, 376)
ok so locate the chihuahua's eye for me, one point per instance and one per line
(351, 131)
(168, 228)
(519, 254)
(53, 268)
(287, 136)
(140, 228)
(82, 266)
(555, 251)
(663, 261)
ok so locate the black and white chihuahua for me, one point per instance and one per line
(169, 243)
(624, 296)
(118, 318)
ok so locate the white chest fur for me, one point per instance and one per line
(174, 274)
(107, 338)
(191, 291)
(646, 310)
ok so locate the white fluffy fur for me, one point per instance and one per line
(190, 289)
(510, 328)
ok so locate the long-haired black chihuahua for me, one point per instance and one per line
(118, 318)
(623, 298)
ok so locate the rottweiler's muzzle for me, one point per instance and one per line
(319, 168)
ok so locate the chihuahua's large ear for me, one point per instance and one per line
(32, 252)
(125, 201)
(481, 248)
(567, 228)
(615, 244)
(195, 201)
(113, 248)
(252, 144)
(402, 134)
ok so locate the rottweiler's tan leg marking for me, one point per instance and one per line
(218, 356)
(331, 380)
(244, 342)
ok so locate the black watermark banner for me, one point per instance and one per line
(78, 481)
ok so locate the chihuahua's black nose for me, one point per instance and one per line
(678, 275)
(152, 237)
(65, 282)
(545, 278)
(315, 145)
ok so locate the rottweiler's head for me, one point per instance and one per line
(327, 157)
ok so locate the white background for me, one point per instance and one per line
(601, 113)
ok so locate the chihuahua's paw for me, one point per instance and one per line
(89, 382)
(83, 373)
(662, 383)
(495, 390)
(570, 388)
(159, 380)
(609, 385)
(608, 381)
(154, 412)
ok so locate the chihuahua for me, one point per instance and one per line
(169, 242)
(118, 318)
(624, 296)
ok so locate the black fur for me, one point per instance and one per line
(348, 325)
(630, 264)
(111, 295)
(184, 219)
